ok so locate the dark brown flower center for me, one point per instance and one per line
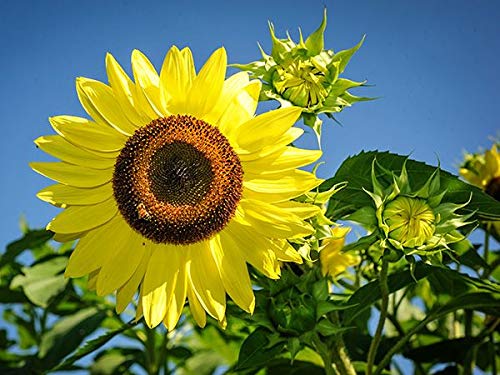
(493, 188)
(177, 180)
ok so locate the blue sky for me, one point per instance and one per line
(434, 65)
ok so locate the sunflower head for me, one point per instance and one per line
(173, 186)
(406, 220)
(306, 75)
(483, 170)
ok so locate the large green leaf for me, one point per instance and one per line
(31, 240)
(67, 335)
(356, 171)
(43, 281)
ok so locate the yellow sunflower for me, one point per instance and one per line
(483, 170)
(175, 185)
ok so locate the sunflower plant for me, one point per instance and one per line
(195, 230)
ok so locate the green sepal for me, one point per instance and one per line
(315, 42)
(345, 55)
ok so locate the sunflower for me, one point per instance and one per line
(174, 185)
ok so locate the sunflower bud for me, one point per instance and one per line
(407, 220)
(410, 220)
(306, 75)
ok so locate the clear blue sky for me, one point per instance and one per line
(434, 64)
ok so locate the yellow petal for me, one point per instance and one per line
(82, 132)
(63, 195)
(286, 253)
(176, 77)
(267, 128)
(279, 187)
(58, 147)
(125, 294)
(240, 110)
(178, 299)
(231, 87)
(73, 175)
(233, 271)
(197, 310)
(100, 103)
(290, 135)
(256, 249)
(124, 91)
(148, 82)
(76, 219)
(159, 283)
(204, 277)
(283, 160)
(302, 210)
(127, 253)
(92, 251)
(272, 221)
(62, 237)
(92, 280)
(207, 86)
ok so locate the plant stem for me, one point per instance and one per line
(384, 290)
(340, 356)
(401, 343)
(325, 354)
(151, 365)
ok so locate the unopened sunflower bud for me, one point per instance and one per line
(306, 75)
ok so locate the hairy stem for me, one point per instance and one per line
(340, 356)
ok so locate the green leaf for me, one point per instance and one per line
(480, 301)
(92, 345)
(67, 335)
(43, 281)
(324, 307)
(31, 240)
(368, 294)
(327, 328)
(356, 171)
(257, 350)
(114, 361)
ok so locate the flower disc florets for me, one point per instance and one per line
(414, 222)
(177, 180)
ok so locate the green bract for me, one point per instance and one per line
(409, 221)
(306, 75)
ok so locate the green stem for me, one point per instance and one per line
(150, 343)
(325, 355)
(164, 355)
(384, 290)
(340, 356)
(401, 343)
